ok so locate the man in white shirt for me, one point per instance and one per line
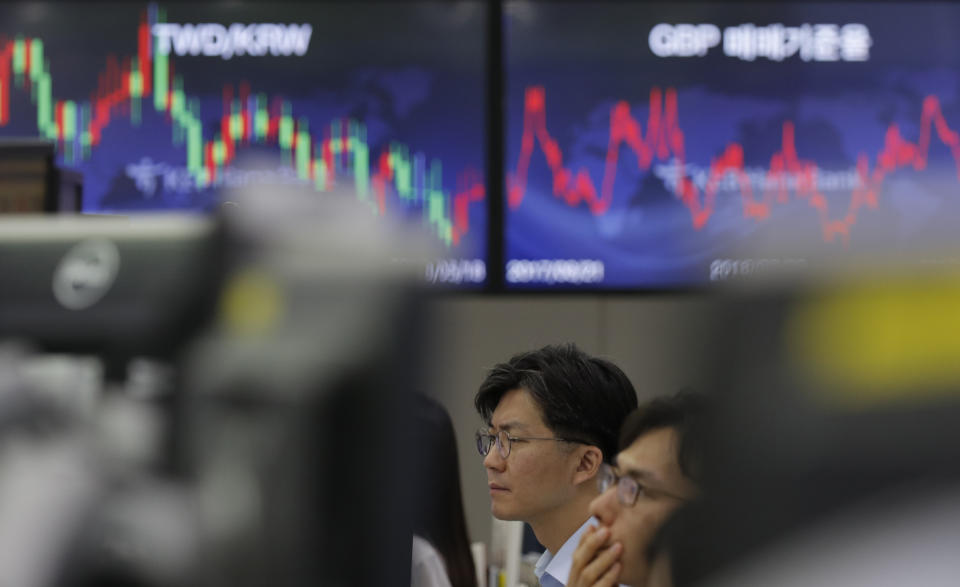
(552, 420)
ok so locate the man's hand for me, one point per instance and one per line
(594, 564)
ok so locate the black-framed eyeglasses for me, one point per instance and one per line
(628, 488)
(504, 441)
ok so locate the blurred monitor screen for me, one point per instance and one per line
(668, 145)
(26, 171)
(168, 106)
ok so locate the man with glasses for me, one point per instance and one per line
(655, 474)
(552, 419)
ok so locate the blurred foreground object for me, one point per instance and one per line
(227, 400)
(110, 286)
(298, 398)
(834, 455)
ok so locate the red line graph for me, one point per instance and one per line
(664, 138)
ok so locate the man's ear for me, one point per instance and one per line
(590, 460)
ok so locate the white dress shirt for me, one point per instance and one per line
(553, 569)
(427, 569)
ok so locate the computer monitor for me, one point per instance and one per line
(170, 106)
(27, 176)
(110, 286)
(665, 146)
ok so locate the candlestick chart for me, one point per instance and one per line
(158, 122)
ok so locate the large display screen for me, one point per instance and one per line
(668, 145)
(167, 106)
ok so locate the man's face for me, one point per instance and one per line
(652, 461)
(537, 476)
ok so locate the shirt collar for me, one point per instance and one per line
(558, 565)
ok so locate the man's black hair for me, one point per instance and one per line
(679, 411)
(581, 397)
